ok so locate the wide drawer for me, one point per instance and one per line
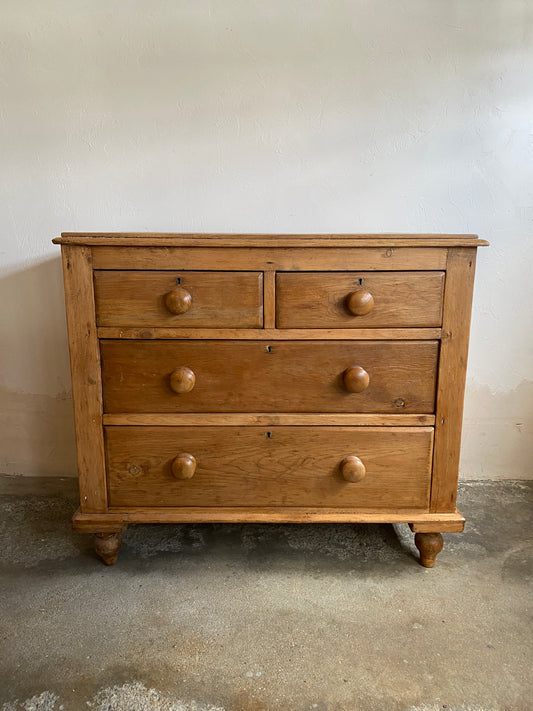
(359, 299)
(175, 299)
(255, 376)
(277, 466)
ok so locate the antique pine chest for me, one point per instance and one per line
(272, 378)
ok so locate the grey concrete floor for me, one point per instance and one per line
(265, 618)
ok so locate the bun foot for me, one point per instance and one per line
(107, 546)
(429, 545)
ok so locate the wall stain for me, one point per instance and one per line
(37, 434)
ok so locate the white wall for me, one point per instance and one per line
(254, 116)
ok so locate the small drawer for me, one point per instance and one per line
(360, 467)
(359, 299)
(257, 376)
(179, 299)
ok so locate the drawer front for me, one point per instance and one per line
(175, 299)
(277, 466)
(359, 299)
(254, 376)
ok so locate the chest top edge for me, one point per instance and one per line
(149, 239)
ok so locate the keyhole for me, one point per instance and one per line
(359, 281)
(178, 280)
(268, 435)
(269, 349)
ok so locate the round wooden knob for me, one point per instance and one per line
(183, 466)
(352, 469)
(360, 302)
(182, 380)
(355, 379)
(178, 301)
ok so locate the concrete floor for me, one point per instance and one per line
(265, 618)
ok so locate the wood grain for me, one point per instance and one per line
(107, 546)
(248, 376)
(269, 299)
(86, 378)
(429, 545)
(451, 376)
(219, 299)
(268, 418)
(355, 379)
(445, 523)
(118, 517)
(319, 300)
(178, 300)
(301, 334)
(370, 258)
(282, 466)
(183, 466)
(264, 240)
(352, 469)
(359, 302)
(268, 334)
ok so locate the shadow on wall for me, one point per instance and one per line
(36, 417)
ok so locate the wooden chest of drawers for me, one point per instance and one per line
(287, 378)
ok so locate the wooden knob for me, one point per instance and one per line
(352, 469)
(355, 379)
(360, 302)
(183, 466)
(178, 301)
(182, 380)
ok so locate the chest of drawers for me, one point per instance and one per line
(272, 378)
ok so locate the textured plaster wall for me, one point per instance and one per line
(245, 115)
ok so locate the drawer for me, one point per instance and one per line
(175, 299)
(359, 299)
(255, 376)
(277, 466)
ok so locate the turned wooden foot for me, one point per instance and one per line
(429, 545)
(107, 546)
